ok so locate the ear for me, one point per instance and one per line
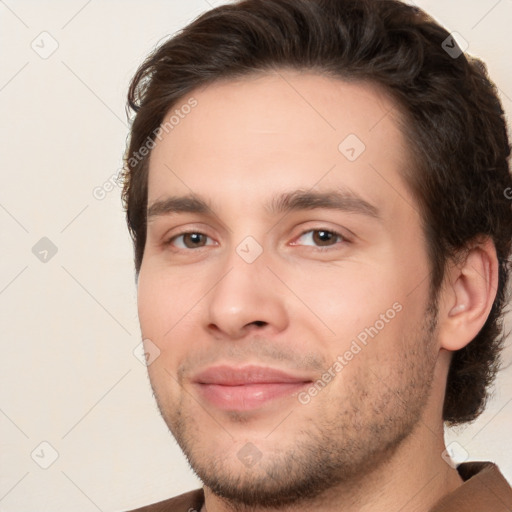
(467, 296)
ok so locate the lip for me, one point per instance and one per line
(246, 388)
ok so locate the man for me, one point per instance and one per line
(316, 194)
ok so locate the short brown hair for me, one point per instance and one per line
(454, 123)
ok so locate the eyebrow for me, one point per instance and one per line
(296, 200)
(309, 200)
(177, 204)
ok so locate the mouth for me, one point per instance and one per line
(247, 388)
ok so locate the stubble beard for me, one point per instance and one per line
(339, 449)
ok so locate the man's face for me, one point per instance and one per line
(333, 290)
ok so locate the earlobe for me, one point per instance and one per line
(468, 296)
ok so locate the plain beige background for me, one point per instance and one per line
(79, 429)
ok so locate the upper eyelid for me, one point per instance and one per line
(169, 239)
(335, 232)
(200, 227)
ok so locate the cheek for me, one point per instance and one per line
(149, 301)
(156, 307)
(163, 297)
(169, 305)
(349, 299)
(159, 323)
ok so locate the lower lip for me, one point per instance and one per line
(248, 396)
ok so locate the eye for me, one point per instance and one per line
(320, 238)
(190, 240)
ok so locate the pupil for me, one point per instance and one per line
(194, 238)
(322, 236)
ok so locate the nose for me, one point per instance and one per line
(247, 298)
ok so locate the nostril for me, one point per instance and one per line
(259, 323)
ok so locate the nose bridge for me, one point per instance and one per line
(246, 293)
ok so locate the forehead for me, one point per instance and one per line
(279, 130)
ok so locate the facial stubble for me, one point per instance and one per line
(338, 448)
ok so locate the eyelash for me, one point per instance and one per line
(336, 234)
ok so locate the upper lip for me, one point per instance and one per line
(231, 376)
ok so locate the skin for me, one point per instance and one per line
(374, 434)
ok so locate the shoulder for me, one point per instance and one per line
(484, 489)
(191, 501)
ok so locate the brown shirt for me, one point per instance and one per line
(484, 490)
